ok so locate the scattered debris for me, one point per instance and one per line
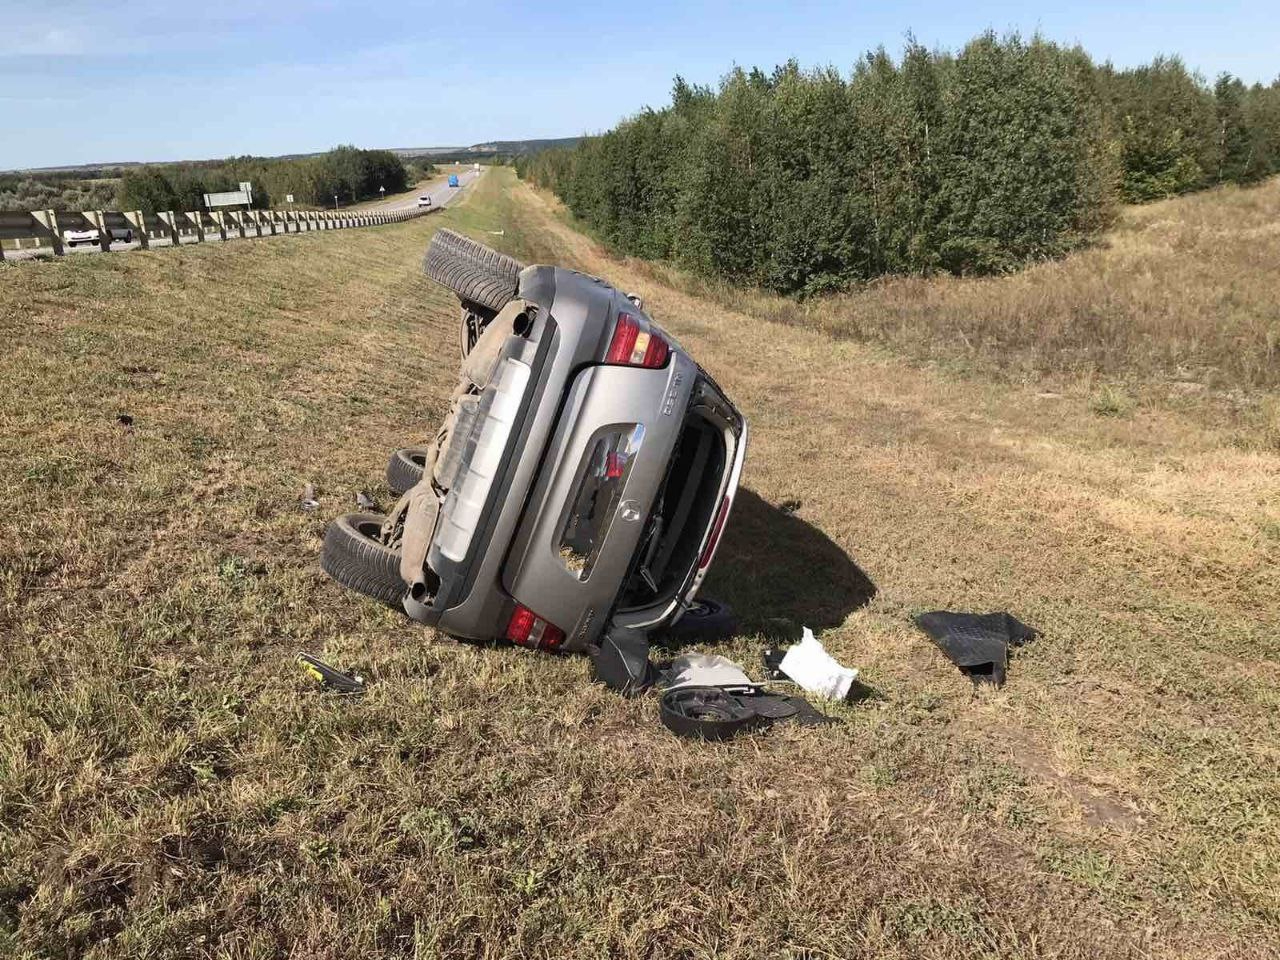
(977, 643)
(366, 503)
(621, 662)
(789, 507)
(716, 713)
(705, 696)
(815, 670)
(322, 673)
(706, 713)
(781, 706)
(771, 657)
(308, 499)
(125, 420)
(705, 670)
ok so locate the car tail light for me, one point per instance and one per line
(529, 630)
(709, 550)
(636, 344)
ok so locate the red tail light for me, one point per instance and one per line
(716, 530)
(635, 344)
(529, 630)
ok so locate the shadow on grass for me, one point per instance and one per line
(780, 573)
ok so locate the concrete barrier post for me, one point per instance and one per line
(139, 224)
(169, 219)
(220, 218)
(104, 235)
(47, 222)
(197, 218)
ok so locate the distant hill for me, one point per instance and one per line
(491, 148)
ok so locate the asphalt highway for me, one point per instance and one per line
(440, 192)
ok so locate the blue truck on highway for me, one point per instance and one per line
(453, 179)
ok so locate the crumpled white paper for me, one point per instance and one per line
(815, 670)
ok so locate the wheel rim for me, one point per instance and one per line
(369, 529)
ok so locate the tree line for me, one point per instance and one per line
(346, 172)
(1009, 151)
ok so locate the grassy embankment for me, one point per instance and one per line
(171, 785)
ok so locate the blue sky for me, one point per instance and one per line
(85, 82)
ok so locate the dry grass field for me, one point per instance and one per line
(171, 785)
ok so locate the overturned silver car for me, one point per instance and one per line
(581, 480)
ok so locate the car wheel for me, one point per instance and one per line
(355, 556)
(474, 319)
(707, 621)
(405, 468)
(471, 270)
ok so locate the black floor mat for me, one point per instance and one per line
(977, 643)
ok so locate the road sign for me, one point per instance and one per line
(288, 198)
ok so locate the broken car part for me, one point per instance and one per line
(714, 713)
(977, 643)
(621, 662)
(706, 713)
(324, 674)
(705, 670)
(308, 499)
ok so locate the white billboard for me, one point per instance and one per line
(231, 198)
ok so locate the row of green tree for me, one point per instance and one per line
(348, 173)
(975, 162)
(45, 191)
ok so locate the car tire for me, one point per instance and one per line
(354, 555)
(471, 270)
(405, 469)
(706, 621)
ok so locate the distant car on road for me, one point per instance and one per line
(424, 201)
(91, 236)
(453, 179)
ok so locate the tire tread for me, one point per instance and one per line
(471, 270)
(361, 564)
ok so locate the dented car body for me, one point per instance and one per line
(581, 479)
(573, 484)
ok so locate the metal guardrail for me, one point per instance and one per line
(45, 228)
